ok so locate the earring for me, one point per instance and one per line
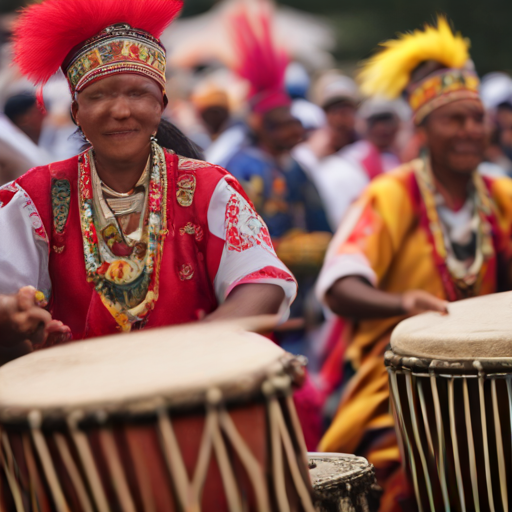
(153, 138)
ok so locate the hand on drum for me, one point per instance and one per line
(23, 320)
(415, 302)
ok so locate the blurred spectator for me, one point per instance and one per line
(337, 95)
(341, 178)
(18, 148)
(23, 112)
(297, 84)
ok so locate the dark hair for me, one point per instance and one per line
(18, 104)
(171, 137)
(168, 136)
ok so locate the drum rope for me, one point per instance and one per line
(297, 429)
(481, 381)
(9, 473)
(87, 459)
(442, 445)
(174, 460)
(416, 433)
(499, 446)
(277, 453)
(303, 491)
(396, 401)
(455, 445)
(34, 483)
(228, 478)
(46, 462)
(73, 472)
(250, 463)
(471, 448)
(116, 470)
(426, 424)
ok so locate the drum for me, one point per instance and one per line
(451, 386)
(188, 418)
(343, 483)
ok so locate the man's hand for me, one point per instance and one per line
(415, 302)
(22, 320)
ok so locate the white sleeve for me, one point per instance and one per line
(248, 255)
(23, 243)
(336, 265)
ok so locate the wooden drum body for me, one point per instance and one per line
(186, 418)
(451, 387)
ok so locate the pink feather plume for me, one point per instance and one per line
(260, 62)
(46, 32)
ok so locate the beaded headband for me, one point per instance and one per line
(440, 89)
(117, 49)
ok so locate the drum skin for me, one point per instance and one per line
(451, 388)
(225, 441)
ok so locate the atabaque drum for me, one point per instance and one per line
(451, 386)
(343, 483)
(189, 418)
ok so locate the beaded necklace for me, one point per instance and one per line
(103, 274)
(457, 285)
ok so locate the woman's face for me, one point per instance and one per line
(119, 114)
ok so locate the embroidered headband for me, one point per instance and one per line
(117, 49)
(440, 89)
(117, 36)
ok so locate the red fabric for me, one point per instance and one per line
(372, 162)
(75, 302)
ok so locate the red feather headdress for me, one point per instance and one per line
(46, 33)
(260, 62)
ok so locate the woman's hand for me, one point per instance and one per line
(415, 302)
(23, 320)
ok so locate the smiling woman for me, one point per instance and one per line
(132, 233)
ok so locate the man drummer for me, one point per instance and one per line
(134, 232)
(430, 232)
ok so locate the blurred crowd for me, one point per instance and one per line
(301, 163)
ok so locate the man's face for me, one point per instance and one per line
(119, 114)
(382, 130)
(456, 136)
(341, 118)
(281, 129)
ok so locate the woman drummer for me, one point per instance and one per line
(135, 232)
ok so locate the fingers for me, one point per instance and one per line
(26, 297)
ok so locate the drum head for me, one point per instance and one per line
(478, 328)
(175, 365)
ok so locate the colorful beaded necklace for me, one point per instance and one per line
(456, 286)
(97, 270)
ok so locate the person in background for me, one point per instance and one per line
(432, 231)
(23, 112)
(342, 177)
(297, 83)
(281, 191)
(20, 129)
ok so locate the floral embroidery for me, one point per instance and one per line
(127, 294)
(186, 187)
(189, 164)
(244, 227)
(61, 197)
(186, 272)
(192, 229)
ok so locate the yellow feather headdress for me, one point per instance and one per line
(388, 72)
